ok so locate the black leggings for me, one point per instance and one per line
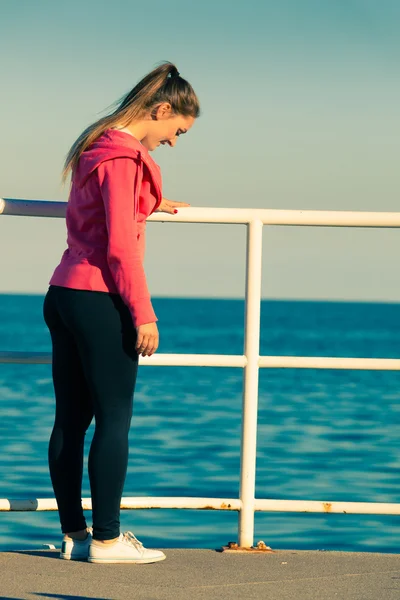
(94, 370)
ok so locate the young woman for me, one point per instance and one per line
(98, 307)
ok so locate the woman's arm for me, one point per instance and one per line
(117, 180)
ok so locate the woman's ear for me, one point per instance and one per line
(163, 111)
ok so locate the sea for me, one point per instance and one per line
(326, 435)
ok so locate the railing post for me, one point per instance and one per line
(250, 383)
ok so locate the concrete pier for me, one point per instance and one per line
(204, 575)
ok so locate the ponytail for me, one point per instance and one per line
(163, 84)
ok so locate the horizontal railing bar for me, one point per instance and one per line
(232, 504)
(221, 360)
(322, 362)
(317, 506)
(32, 208)
(38, 358)
(157, 360)
(310, 218)
(45, 504)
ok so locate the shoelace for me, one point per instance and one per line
(129, 537)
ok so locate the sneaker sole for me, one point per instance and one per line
(141, 561)
(69, 557)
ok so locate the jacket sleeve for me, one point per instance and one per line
(118, 185)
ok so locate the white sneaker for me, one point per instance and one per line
(127, 549)
(76, 550)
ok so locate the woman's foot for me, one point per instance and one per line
(73, 548)
(102, 542)
(126, 549)
(80, 535)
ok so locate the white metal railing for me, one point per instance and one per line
(251, 361)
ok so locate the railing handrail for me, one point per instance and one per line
(240, 216)
(230, 360)
(250, 361)
(228, 504)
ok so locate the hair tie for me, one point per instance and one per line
(175, 74)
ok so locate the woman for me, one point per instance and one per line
(98, 307)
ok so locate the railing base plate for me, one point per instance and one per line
(261, 548)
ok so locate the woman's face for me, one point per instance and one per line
(165, 127)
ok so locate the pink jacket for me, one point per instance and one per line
(115, 187)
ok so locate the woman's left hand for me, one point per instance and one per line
(170, 206)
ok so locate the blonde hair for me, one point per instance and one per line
(163, 84)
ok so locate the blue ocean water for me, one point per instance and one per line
(322, 435)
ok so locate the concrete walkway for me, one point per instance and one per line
(205, 575)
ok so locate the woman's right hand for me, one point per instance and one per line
(147, 339)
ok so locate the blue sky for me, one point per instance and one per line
(299, 111)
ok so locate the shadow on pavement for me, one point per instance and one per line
(57, 597)
(43, 553)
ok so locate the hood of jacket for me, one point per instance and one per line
(115, 144)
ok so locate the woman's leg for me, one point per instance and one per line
(73, 416)
(105, 338)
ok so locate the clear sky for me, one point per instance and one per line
(300, 110)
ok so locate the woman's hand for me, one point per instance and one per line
(147, 335)
(147, 339)
(170, 206)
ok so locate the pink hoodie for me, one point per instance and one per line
(115, 187)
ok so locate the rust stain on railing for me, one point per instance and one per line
(223, 506)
